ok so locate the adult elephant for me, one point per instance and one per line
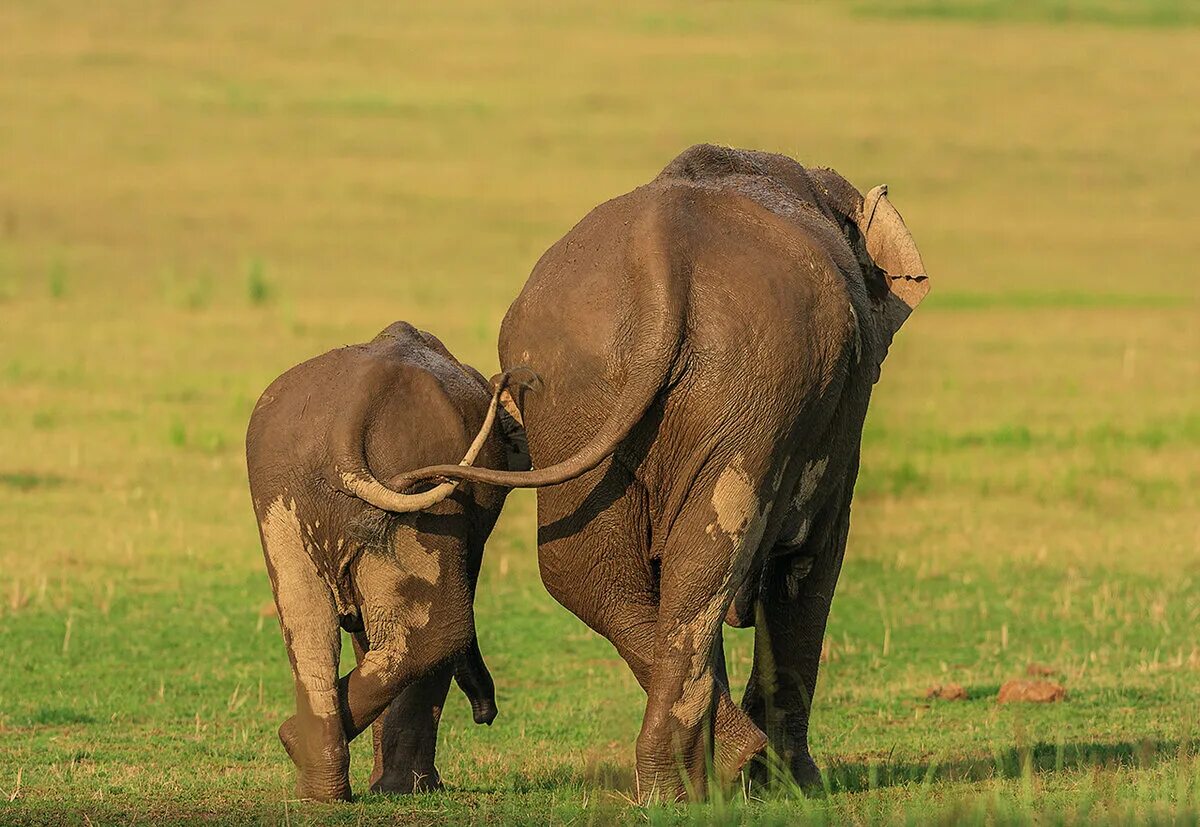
(708, 344)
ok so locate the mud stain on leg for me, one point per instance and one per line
(306, 609)
(413, 558)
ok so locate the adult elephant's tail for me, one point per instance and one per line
(659, 305)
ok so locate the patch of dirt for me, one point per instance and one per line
(1038, 670)
(946, 692)
(1034, 692)
(267, 609)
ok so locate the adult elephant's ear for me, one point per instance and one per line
(893, 250)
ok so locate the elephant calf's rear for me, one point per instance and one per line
(398, 570)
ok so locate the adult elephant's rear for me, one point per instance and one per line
(707, 345)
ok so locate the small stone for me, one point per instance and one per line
(1034, 692)
(946, 692)
(1037, 670)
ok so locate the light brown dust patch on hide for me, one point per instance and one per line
(413, 558)
(801, 533)
(810, 478)
(306, 610)
(693, 702)
(734, 500)
(697, 634)
(741, 519)
(389, 614)
(800, 511)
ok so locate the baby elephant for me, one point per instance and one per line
(398, 570)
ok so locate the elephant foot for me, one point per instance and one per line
(672, 764)
(804, 771)
(738, 740)
(408, 782)
(319, 750)
(735, 753)
(665, 787)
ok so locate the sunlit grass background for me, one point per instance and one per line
(194, 197)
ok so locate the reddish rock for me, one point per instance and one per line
(1034, 692)
(946, 692)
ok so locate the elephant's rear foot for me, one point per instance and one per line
(406, 782)
(804, 772)
(737, 739)
(318, 748)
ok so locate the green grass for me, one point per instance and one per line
(1166, 13)
(253, 185)
(1052, 299)
(56, 280)
(257, 287)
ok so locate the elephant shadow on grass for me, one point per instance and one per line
(861, 776)
(1008, 763)
(617, 479)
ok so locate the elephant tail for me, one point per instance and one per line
(659, 303)
(356, 477)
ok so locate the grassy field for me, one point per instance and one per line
(194, 197)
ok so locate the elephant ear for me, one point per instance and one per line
(893, 250)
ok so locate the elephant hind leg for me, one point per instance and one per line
(708, 553)
(672, 747)
(404, 736)
(597, 571)
(407, 733)
(313, 737)
(787, 643)
(736, 737)
(413, 628)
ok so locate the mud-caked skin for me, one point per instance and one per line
(708, 344)
(345, 550)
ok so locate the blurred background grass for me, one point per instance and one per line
(194, 197)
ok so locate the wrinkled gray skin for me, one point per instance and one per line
(396, 570)
(708, 344)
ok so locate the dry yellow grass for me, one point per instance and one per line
(194, 197)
